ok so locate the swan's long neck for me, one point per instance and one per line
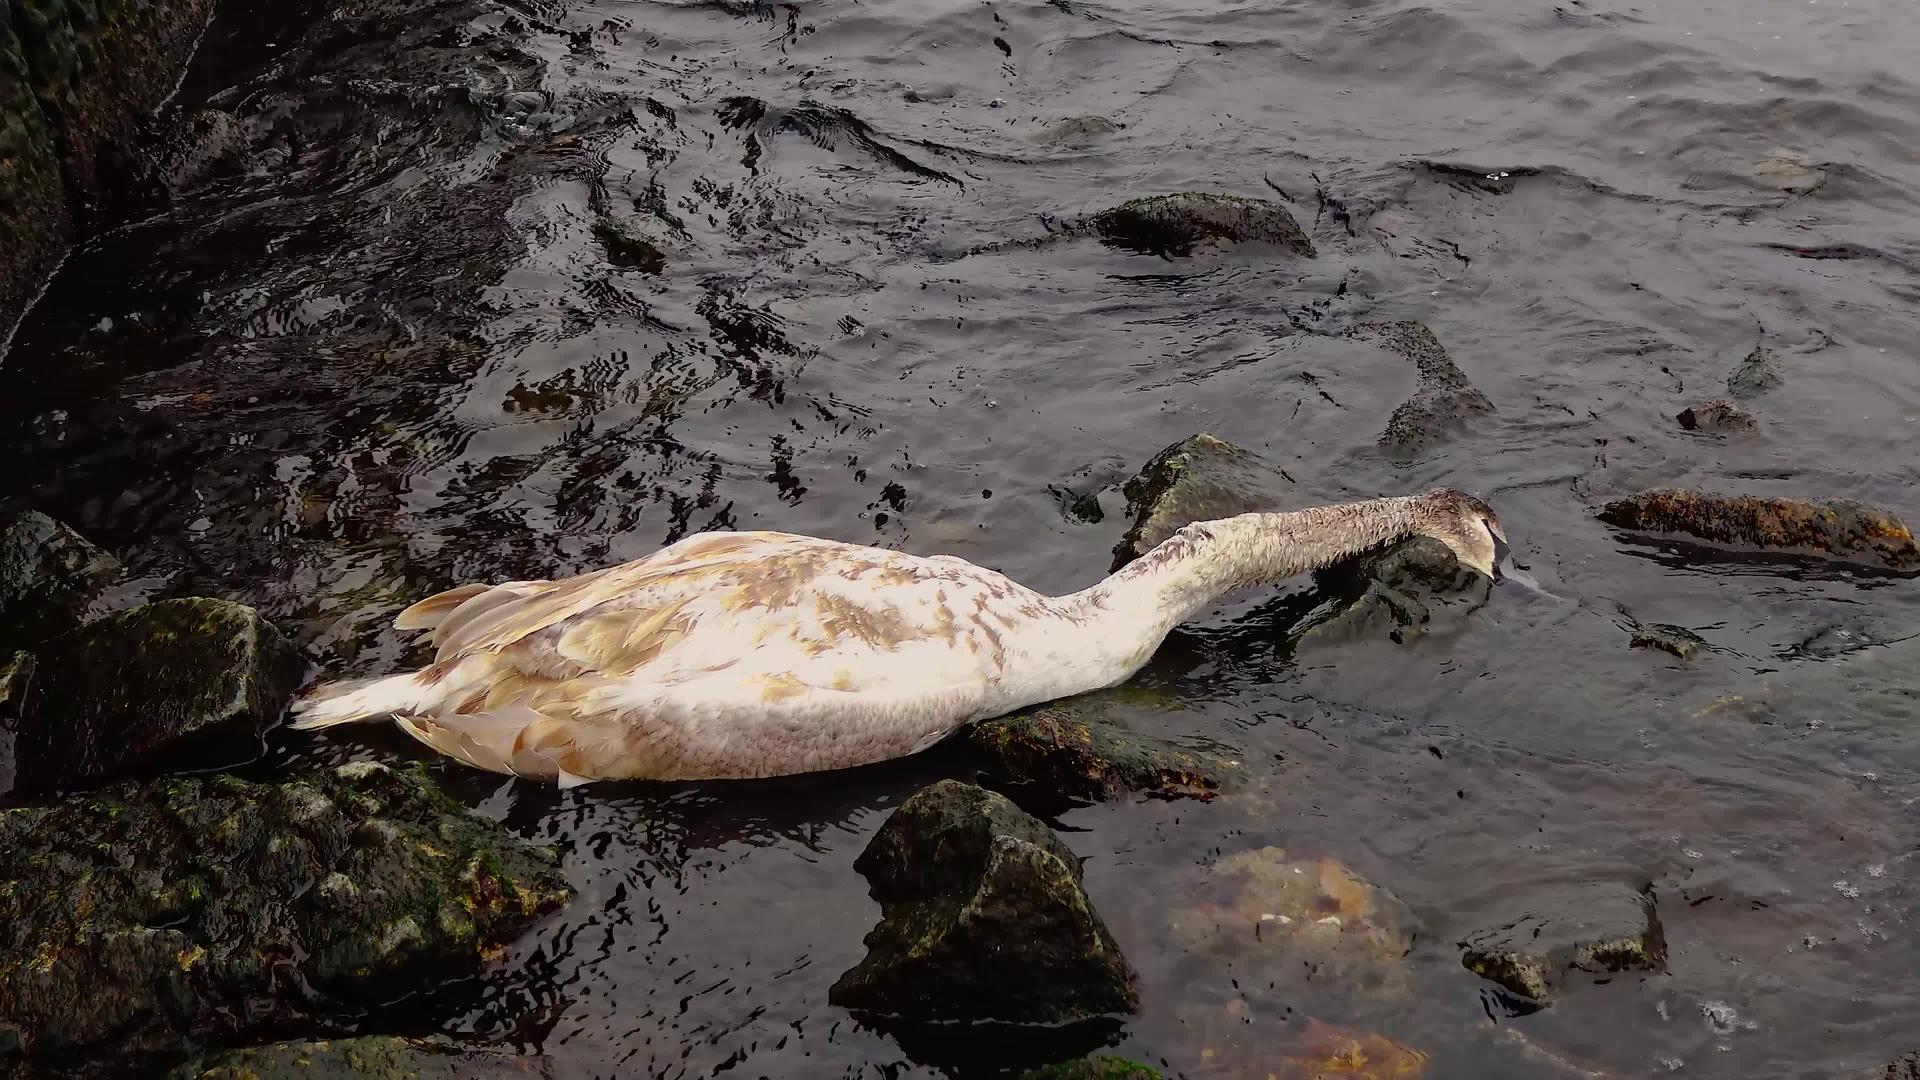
(1197, 565)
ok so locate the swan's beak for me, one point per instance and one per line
(1502, 559)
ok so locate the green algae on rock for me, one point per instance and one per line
(1677, 640)
(1070, 750)
(192, 681)
(982, 918)
(49, 574)
(1175, 225)
(1837, 529)
(372, 1057)
(1104, 1067)
(1200, 478)
(150, 918)
(1596, 930)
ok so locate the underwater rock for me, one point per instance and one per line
(1200, 478)
(157, 916)
(1718, 414)
(1314, 911)
(1592, 929)
(1443, 401)
(1069, 750)
(1393, 592)
(627, 250)
(192, 681)
(372, 1057)
(1095, 1068)
(48, 576)
(1175, 225)
(1837, 529)
(1678, 640)
(1904, 1067)
(1755, 375)
(982, 918)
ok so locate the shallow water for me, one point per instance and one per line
(384, 353)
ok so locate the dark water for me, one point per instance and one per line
(372, 348)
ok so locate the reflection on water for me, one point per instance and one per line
(495, 290)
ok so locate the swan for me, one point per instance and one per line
(754, 654)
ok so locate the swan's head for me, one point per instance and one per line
(1468, 526)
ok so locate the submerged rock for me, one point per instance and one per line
(373, 1057)
(1444, 400)
(179, 682)
(1837, 529)
(1175, 225)
(1394, 593)
(147, 917)
(1313, 911)
(1678, 640)
(1718, 414)
(1095, 1068)
(1201, 478)
(1596, 930)
(982, 918)
(1069, 750)
(48, 576)
(1755, 375)
(625, 249)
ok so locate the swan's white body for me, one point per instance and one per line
(762, 654)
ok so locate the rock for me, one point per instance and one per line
(1201, 478)
(1596, 930)
(1904, 1067)
(49, 574)
(1174, 225)
(374, 1057)
(1070, 749)
(1443, 401)
(1836, 529)
(1666, 637)
(1095, 1068)
(627, 250)
(16, 680)
(1755, 375)
(982, 918)
(76, 78)
(191, 681)
(1325, 1050)
(1717, 414)
(1262, 903)
(1394, 593)
(139, 920)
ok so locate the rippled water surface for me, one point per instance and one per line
(373, 348)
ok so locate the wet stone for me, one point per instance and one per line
(1178, 224)
(982, 918)
(1836, 529)
(1904, 1067)
(1718, 414)
(625, 249)
(1095, 1068)
(1070, 750)
(154, 918)
(373, 1057)
(1394, 593)
(1677, 640)
(1201, 478)
(1443, 401)
(1596, 930)
(191, 682)
(48, 576)
(1758, 373)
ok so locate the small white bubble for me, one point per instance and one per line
(1878, 869)
(1692, 854)
(1847, 889)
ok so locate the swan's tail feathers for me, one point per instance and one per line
(513, 740)
(354, 701)
(429, 613)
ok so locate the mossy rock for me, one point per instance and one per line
(1442, 403)
(1395, 593)
(1756, 374)
(1677, 641)
(1095, 1068)
(1178, 224)
(1200, 478)
(983, 918)
(624, 249)
(148, 919)
(190, 682)
(1836, 529)
(1716, 415)
(49, 574)
(1071, 750)
(1591, 929)
(373, 1057)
